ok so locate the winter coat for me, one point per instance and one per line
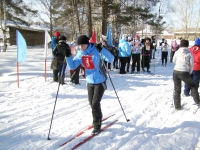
(137, 48)
(183, 60)
(131, 44)
(174, 46)
(195, 50)
(95, 75)
(165, 48)
(146, 52)
(60, 51)
(124, 48)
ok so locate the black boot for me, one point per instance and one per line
(55, 75)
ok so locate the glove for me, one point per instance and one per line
(98, 46)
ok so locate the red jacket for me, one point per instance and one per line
(195, 50)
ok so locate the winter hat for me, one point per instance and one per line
(62, 37)
(136, 36)
(83, 39)
(184, 43)
(197, 42)
(56, 34)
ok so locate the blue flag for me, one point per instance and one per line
(108, 35)
(21, 47)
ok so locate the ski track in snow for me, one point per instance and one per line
(26, 113)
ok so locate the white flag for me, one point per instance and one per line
(47, 40)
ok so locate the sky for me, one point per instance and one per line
(26, 112)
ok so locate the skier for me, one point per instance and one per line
(131, 44)
(195, 50)
(183, 60)
(60, 52)
(153, 42)
(162, 43)
(54, 41)
(165, 48)
(174, 48)
(136, 54)
(115, 62)
(146, 51)
(124, 53)
(90, 56)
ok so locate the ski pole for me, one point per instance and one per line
(114, 88)
(59, 81)
(117, 97)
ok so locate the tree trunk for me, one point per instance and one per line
(4, 26)
(77, 15)
(89, 17)
(51, 22)
(104, 17)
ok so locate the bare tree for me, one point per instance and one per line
(186, 11)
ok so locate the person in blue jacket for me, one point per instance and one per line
(124, 53)
(54, 41)
(91, 57)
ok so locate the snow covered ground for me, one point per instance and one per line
(25, 112)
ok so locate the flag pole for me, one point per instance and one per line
(45, 68)
(17, 61)
(18, 74)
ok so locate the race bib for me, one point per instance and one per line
(136, 44)
(87, 62)
(148, 48)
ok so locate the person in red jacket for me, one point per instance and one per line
(195, 50)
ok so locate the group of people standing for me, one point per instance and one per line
(140, 51)
(186, 69)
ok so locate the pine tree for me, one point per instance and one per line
(14, 11)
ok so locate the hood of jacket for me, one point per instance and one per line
(195, 49)
(122, 40)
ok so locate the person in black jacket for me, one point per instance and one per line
(146, 52)
(60, 51)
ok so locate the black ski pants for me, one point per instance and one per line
(164, 58)
(172, 55)
(145, 62)
(123, 61)
(128, 63)
(178, 77)
(135, 59)
(196, 78)
(95, 93)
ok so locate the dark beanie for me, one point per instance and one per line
(83, 39)
(184, 43)
(62, 37)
